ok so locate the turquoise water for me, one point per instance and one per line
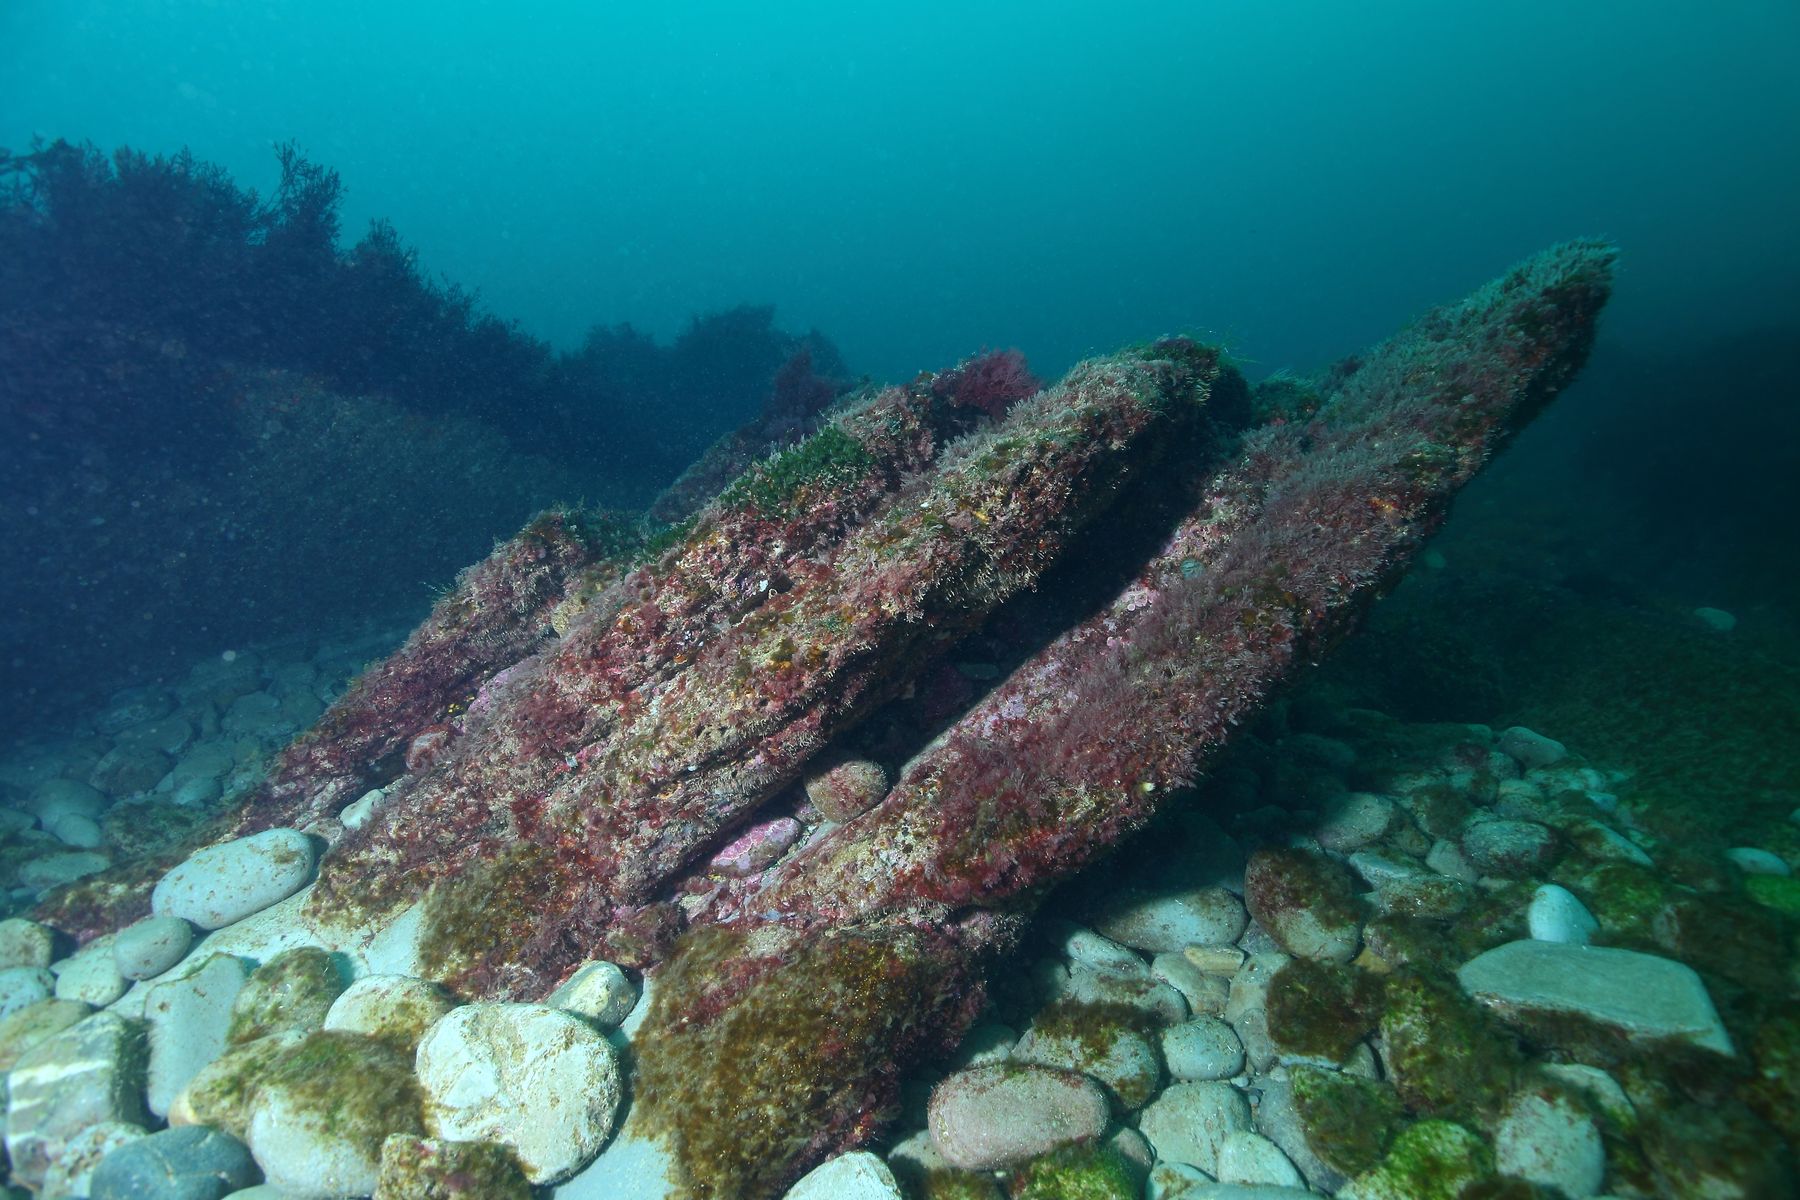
(306, 306)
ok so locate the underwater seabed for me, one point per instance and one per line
(1376, 950)
(1266, 990)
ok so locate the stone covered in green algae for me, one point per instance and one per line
(324, 1106)
(761, 1050)
(1348, 1120)
(1112, 1043)
(1322, 1010)
(220, 1094)
(1075, 1172)
(1432, 1160)
(1779, 892)
(1448, 1057)
(951, 1184)
(293, 990)
(416, 1168)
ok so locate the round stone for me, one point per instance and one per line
(1077, 1038)
(599, 991)
(1189, 1122)
(1172, 920)
(858, 1175)
(1354, 820)
(25, 943)
(1531, 749)
(396, 1008)
(1549, 1140)
(985, 1118)
(90, 974)
(1555, 915)
(151, 946)
(228, 882)
(1203, 1048)
(847, 789)
(55, 797)
(191, 1163)
(528, 1076)
(322, 1110)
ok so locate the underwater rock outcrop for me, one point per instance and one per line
(588, 717)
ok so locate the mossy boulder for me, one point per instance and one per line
(323, 1108)
(1322, 1010)
(1307, 902)
(293, 990)
(1348, 1120)
(220, 1094)
(1447, 1056)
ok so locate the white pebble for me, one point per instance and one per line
(1752, 861)
(1556, 915)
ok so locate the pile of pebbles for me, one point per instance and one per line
(1390, 963)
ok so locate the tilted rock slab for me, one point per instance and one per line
(1080, 745)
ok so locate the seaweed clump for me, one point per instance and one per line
(762, 1051)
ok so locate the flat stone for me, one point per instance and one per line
(1202, 1048)
(55, 797)
(1189, 1122)
(1250, 1158)
(189, 1019)
(74, 830)
(1206, 993)
(1171, 920)
(1086, 985)
(1354, 820)
(228, 882)
(89, 1073)
(1752, 861)
(394, 1008)
(528, 1076)
(1306, 902)
(1640, 995)
(1090, 949)
(858, 1175)
(53, 870)
(1555, 915)
(151, 946)
(599, 991)
(191, 1163)
(128, 769)
(1551, 1141)
(985, 1118)
(757, 847)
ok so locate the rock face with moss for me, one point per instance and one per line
(586, 722)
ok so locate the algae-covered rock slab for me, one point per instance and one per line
(1641, 996)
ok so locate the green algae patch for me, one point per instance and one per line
(779, 486)
(416, 1168)
(1432, 1160)
(948, 1183)
(220, 1094)
(469, 916)
(1779, 892)
(347, 1086)
(1322, 1010)
(1448, 1057)
(762, 1051)
(1349, 1121)
(293, 990)
(1075, 1172)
